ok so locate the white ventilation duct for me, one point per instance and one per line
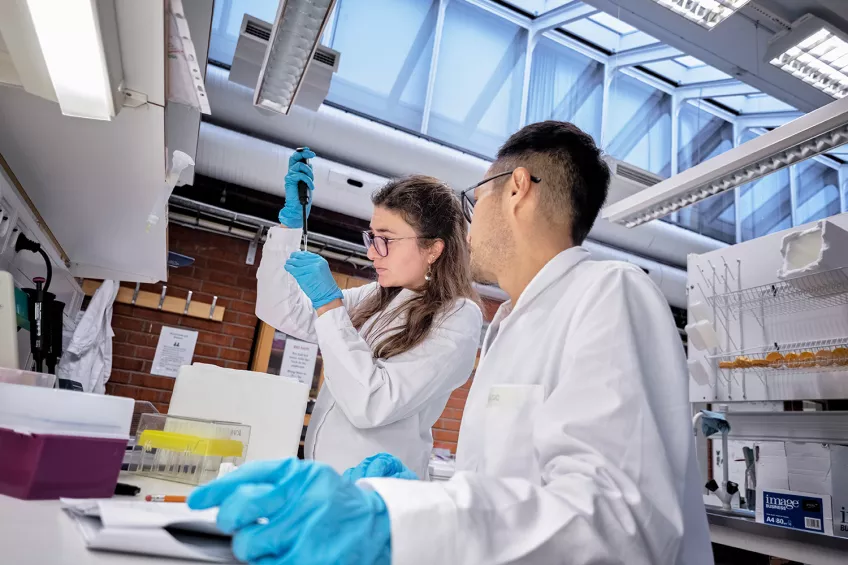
(247, 161)
(368, 145)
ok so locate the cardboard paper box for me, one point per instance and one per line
(821, 469)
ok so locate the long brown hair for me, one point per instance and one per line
(434, 212)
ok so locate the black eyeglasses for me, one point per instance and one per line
(381, 244)
(467, 195)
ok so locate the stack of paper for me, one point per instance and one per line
(149, 528)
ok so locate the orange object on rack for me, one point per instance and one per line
(840, 356)
(759, 363)
(742, 362)
(792, 360)
(775, 359)
(807, 359)
(726, 365)
(824, 357)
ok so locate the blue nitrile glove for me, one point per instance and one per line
(312, 273)
(293, 511)
(380, 465)
(714, 423)
(291, 215)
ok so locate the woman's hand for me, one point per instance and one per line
(312, 273)
(291, 215)
(382, 465)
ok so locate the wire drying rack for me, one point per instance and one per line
(824, 355)
(809, 292)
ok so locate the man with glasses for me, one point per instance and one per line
(576, 443)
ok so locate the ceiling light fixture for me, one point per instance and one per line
(294, 39)
(810, 135)
(705, 13)
(815, 52)
(73, 35)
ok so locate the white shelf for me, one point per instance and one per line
(805, 427)
(809, 292)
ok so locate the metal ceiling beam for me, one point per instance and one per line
(715, 89)
(766, 119)
(735, 47)
(644, 55)
(502, 11)
(561, 16)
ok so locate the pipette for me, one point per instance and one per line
(303, 196)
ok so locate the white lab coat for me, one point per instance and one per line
(368, 405)
(88, 357)
(576, 444)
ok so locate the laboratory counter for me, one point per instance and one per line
(743, 532)
(39, 532)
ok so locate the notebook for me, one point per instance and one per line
(163, 529)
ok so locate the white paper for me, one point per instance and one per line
(299, 360)
(175, 349)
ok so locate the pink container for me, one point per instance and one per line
(45, 466)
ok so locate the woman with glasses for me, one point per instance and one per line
(393, 350)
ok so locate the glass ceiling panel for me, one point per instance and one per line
(754, 103)
(690, 62)
(612, 23)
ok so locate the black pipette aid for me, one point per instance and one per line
(303, 196)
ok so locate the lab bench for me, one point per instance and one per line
(38, 532)
(739, 529)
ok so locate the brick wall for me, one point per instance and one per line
(219, 269)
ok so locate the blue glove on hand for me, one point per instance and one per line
(380, 465)
(312, 273)
(292, 511)
(291, 215)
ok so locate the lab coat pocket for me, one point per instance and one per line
(508, 446)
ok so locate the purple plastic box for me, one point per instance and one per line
(46, 466)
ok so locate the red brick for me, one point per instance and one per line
(167, 318)
(199, 324)
(441, 435)
(249, 295)
(458, 403)
(128, 364)
(451, 425)
(133, 324)
(119, 309)
(452, 414)
(248, 320)
(146, 353)
(123, 349)
(121, 336)
(215, 339)
(185, 282)
(161, 407)
(157, 382)
(221, 290)
(226, 267)
(231, 317)
(241, 343)
(239, 331)
(209, 360)
(245, 281)
(121, 377)
(207, 350)
(467, 384)
(235, 365)
(241, 306)
(143, 339)
(235, 355)
(229, 277)
(445, 445)
(460, 393)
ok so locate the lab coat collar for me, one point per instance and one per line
(549, 274)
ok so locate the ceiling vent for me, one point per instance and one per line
(250, 52)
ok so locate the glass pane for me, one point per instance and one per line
(565, 86)
(817, 192)
(386, 48)
(639, 130)
(702, 137)
(226, 22)
(479, 79)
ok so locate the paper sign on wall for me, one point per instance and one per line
(175, 349)
(299, 360)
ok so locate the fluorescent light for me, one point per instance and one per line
(812, 134)
(294, 38)
(705, 13)
(69, 33)
(815, 52)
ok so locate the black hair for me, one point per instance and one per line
(575, 177)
